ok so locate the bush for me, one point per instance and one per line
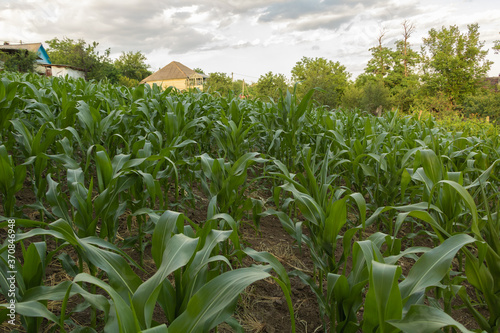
(439, 105)
(352, 98)
(22, 61)
(487, 104)
(375, 94)
(127, 82)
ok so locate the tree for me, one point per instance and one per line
(375, 95)
(82, 55)
(199, 70)
(219, 82)
(453, 63)
(407, 53)
(496, 46)
(19, 61)
(379, 64)
(269, 85)
(352, 97)
(133, 65)
(331, 77)
(403, 79)
(127, 82)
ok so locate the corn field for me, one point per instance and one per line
(356, 191)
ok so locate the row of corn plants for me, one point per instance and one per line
(360, 192)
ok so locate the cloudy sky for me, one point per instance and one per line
(246, 37)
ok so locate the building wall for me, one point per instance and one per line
(179, 83)
(59, 71)
(70, 72)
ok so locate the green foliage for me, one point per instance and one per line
(220, 82)
(453, 62)
(375, 95)
(381, 62)
(485, 104)
(470, 125)
(238, 86)
(82, 55)
(101, 159)
(351, 99)
(440, 104)
(127, 82)
(132, 65)
(330, 77)
(21, 61)
(270, 85)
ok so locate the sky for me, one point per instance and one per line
(245, 38)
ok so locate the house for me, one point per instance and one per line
(60, 71)
(43, 57)
(176, 75)
(43, 64)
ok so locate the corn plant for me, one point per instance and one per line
(290, 121)
(9, 103)
(323, 208)
(202, 298)
(226, 184)
(11, 181)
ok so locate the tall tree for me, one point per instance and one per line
(220, 82)
(269, 85)
(133, 65)
(380, 63)
(453, 62)
(82, 55)
(409, 28)
(331, 77)
(403, 79)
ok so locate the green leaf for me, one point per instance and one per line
(425, 319)
(283, 279)
(432, 165)
(215, 301)
(383, 300)
(33, 272)
(104, 168)
(177, 253)
(162, 233)
(124, 315)
(433, 265)
(34, 309)
(469, 202)
(157, 329)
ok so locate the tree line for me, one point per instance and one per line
(446, 75)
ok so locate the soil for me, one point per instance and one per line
(262, 307)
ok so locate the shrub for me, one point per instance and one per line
(486, 104)
(375, 94)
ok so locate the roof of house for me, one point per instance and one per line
(174, 70)
(32, 47)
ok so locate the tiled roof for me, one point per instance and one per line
(174, 70)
